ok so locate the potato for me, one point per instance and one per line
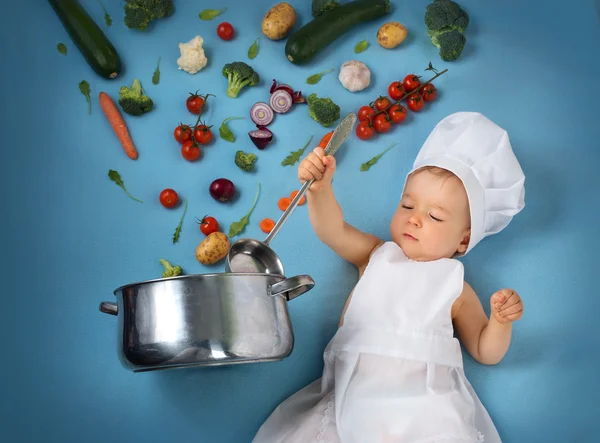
(213, 248)
(391, 34)
(279, 21)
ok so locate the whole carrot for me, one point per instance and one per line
(117, 123)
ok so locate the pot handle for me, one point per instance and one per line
(109, 308)
(292, 287)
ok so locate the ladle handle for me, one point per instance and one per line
(288, 211)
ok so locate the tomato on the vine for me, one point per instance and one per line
(382, 103)
(203, 134)
(365, 113)
(415, 102)
(182, 133)
(208, 225)
(168, 198)
(195, 103)
(364, 130)
(190, 151)
(382, 123)
(225, 31)
(396, 90)
(428, 92)
(411, 82)
(397, 113)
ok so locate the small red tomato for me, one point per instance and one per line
(208, 225)
(382, 123)
(428, 92)
(365, 113)
(203, 134)
(190, 151)
(182, 133)
(396, 90)
(415, 102)
(411, 82)
(168, 198)
(225, 31)
(194, 103)
(382, 103)
(364, 131)
(397, 113)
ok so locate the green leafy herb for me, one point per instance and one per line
(365, 166)
(178, 229)
(295, 156)
(114, 176)
(156, 75)
(209, 14)
(316, 78)
(84, 87)
(107, 18)
(224, 130)
(236, 228)
(361, 46)
(253, 51)
(62, 48)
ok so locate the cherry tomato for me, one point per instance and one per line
(182, 133)
(415, 102)
(190, 151)
(397, 113)
(396, 90)
(382, 123)
(203, 134)
(411, 82)
(382, 103)
(208, 225)
(225, 31)
(365, 113)
(364, 131)
(428, 92)
(168, 198)
(194, 103)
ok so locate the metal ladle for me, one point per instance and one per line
(253, 256)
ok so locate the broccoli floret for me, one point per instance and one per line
(139, 13)
(451, 45)
(447, 17)
(170, 270)
(245, 161)
(323, 110)
(133, 101)
(321, 6)
(239, 75)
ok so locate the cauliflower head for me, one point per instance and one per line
(192, 57)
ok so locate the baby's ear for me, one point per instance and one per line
(464, 244)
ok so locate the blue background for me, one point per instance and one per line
(71, 236)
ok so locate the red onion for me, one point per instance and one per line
(261, 137)
(296, 95)
(261, 114)
(222, 189)
(281, 101)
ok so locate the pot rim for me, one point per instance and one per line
(190, 276)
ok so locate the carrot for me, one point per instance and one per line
(283, 203)
(267, 225)
(325, 140)
(293, 196)
(117, 123)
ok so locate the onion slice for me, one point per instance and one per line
(281, 101)
(261, 137)
(261, 114)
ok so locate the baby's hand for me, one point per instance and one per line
(319, 167)
(506, 306)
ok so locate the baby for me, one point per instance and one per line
(393, 372)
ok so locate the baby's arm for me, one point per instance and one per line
(486, 340)
(325, 213)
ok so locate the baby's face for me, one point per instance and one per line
(432, 220)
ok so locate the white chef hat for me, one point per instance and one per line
(478, 152)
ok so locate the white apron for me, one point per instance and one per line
(393, 372)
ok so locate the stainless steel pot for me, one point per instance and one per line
(205, 320)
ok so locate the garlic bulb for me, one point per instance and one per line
(354, 75)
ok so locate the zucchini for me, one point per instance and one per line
(303, 45)
(97, 50)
